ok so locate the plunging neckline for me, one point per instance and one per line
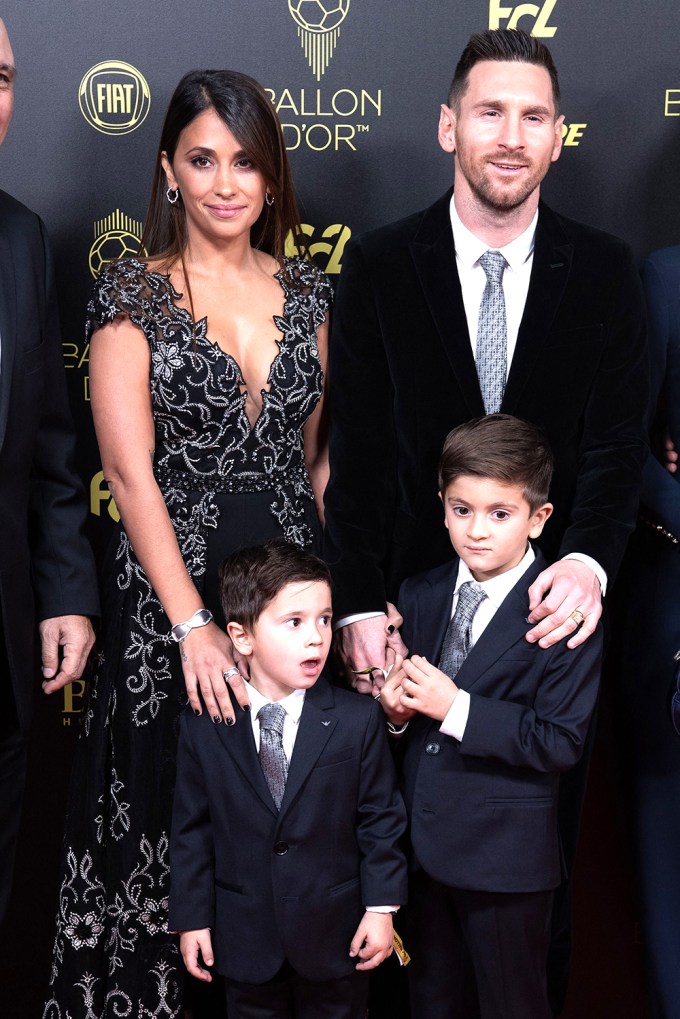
(264, 392)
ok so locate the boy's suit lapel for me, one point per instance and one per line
(239, 742)
(433, 624)
(508, 625)
(316, 726)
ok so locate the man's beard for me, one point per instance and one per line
(493, 194)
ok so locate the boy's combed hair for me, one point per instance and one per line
(252, 577)
(502, 44)
(503, 448)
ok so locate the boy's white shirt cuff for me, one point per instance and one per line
(581, 557)
(456, 717)
(382, 909)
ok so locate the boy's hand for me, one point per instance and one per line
(390, 695)
(427, 689)
(190, 943)
(373, 940)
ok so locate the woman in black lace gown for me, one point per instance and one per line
(207, 367)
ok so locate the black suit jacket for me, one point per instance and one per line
(46, 566)
(402, 375)
(483, 811)
(289, 885)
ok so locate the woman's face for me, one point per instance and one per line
(222, 190)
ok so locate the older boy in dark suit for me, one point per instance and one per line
(286, 869)
(492, 727)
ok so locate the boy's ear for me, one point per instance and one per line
(539, 518)
(241, 639)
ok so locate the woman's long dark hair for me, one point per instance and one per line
(247, 111)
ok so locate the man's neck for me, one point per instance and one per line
(493, 226)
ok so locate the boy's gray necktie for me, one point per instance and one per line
(272, 757)
(491, 352)
(457, 638)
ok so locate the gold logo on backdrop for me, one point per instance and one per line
(672, 103)
(318, 23)
(114, 97)
(572, 133)
(332, 245)
(115, 237)
(99, 495)
(513, 13)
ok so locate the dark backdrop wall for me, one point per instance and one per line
(357, 84)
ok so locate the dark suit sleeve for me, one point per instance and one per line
(661, 278)
(549, 734)
(192, 857)
(381, 820)
(612, 446)
(64, 577)
(361, 494)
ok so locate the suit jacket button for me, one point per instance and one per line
(280, 848)
(432, 748)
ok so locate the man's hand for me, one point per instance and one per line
(190, 943)
(670, 455)
(373, 940)
(74, 636)
(360, 645)
(427, 689)
(559, 599)
(390, 695)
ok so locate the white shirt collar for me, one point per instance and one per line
(292, 704)
(498, 587)
(469, 248)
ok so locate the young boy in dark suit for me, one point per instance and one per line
(285, 870)
(492, 721)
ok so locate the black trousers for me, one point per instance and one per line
(290, 996)
(495, 942)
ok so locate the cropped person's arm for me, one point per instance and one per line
(316, 430)
(121, 407)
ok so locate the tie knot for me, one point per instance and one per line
(271, 716)
(494, 265)
(470, 594)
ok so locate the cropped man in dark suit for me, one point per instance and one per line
(497, 720)
(47, 573)
(416, 342)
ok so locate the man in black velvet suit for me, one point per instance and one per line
(406, 361)
(46, 569)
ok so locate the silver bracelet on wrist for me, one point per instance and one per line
(200, 618)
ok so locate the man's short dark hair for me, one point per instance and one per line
(503, 448)
(252, 577)
(502, 44)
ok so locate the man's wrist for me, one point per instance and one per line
(587, 560)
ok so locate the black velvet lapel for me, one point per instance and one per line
(8, 327)
(549, 275)
(434, 258)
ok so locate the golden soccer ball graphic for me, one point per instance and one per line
(109, 247)
(318, 15)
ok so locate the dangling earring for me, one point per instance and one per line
(172, 194)
(269, 198)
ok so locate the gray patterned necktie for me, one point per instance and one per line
(456, 644)
(491, 353)
(272, 757)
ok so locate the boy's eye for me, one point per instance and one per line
(461, 511)
(501, 515)
(294, 621)
(325, 620)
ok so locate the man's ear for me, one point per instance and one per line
(240, 638)
(447, 128)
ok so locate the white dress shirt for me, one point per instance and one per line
(496, 590)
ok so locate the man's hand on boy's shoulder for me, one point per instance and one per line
(563, 598)
(426, 689)
(190, 944)
(373, 940)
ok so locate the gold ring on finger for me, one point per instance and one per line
(577, 616)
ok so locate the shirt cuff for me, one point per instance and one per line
(456, 717)
(382, 909)
(581, 557)
(346, 620)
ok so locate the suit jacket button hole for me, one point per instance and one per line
(280, 848)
